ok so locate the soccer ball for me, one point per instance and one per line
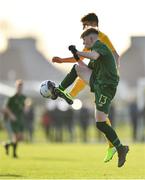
(45, 89)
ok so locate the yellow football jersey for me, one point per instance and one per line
(104, 39)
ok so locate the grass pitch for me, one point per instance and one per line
(70, 161)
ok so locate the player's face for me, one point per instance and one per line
(87, 41)
(19, 88)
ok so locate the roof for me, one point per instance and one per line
(23, 60)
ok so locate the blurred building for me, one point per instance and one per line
(23, 60)
(132, 73)
(133, 61)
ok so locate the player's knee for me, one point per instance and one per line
(79, 69)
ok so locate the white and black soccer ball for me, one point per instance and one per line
(44, 89)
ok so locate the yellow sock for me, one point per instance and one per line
(109, 123)
(78, 86)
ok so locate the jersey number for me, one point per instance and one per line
(103, 99)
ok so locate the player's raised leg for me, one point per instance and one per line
(68, 80)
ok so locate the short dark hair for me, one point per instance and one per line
(92, 17)
(89, 31)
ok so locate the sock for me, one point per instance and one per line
(109, 133)
(79, 86)
(7, 145)
(14, 148)
(109, 123)
(69, 79)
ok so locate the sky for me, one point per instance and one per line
(56, 23)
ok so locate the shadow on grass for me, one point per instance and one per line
(10, 175)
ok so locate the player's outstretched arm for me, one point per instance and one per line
(89, 55)
(63, 60)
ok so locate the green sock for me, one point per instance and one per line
(109, 133)
(14, 148)
(69, 79)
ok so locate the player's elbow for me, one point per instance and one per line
(94, 55)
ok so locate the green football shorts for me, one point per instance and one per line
(103, 97)
(17, 126)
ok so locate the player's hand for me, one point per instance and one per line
(57, 60)
(73, 50)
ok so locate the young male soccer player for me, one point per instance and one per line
(88, 20)
(103, 78)
(92, 20)
(15, 111)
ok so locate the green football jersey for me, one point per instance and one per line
(16, 105)
(104, 69)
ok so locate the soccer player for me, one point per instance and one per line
(92, 20)
(102, 76)
(15, 111)
(88, 20)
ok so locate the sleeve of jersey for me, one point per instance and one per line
(102, 50)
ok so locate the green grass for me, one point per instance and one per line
(65, 161)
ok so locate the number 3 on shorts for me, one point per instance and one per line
(103, 99)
